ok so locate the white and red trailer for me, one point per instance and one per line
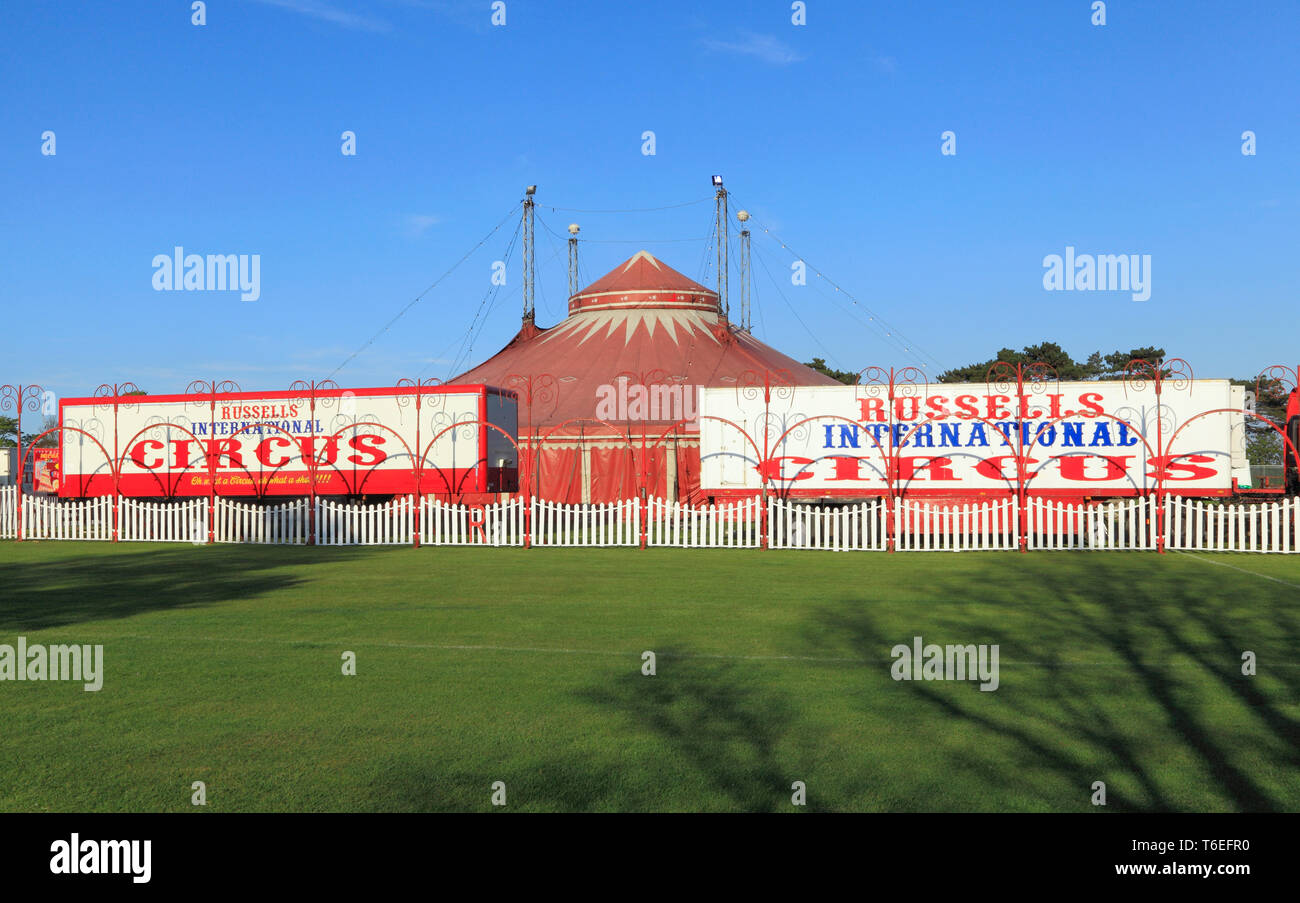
(967, 441)
(454, 439)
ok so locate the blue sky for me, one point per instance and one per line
(225, 138)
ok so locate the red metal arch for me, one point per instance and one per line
(153, 426)
(464, 423)
(32, 450)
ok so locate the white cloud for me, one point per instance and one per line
(419, 223)
(319, 9)
(761, 46)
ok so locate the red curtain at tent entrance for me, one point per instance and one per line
(656, 480)
(559, 476)
(688, 472)
(614, 474)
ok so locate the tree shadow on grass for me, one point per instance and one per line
(1098, 654)
(701, 734)
(717, 717)
(72, 589)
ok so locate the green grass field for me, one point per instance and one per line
(223, 665)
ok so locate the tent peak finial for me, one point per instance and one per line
(642, 255)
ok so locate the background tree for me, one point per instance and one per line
(1095, 366)
(845, 376)
(49, 441)
(1264, 447)
(9, 434)
(1263, 444)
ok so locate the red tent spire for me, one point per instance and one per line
(644, 281)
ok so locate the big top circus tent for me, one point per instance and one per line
(607, 397)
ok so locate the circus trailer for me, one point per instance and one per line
(451, 440)
(955, 440)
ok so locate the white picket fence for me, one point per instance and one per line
(50, 518)
(608, 524)
(1189, 524)
(917, 526)
(924, 527)
(443, 524)
(1196, 524)
(733, 525)
(8, 512)
(176, 521)
(351, 523)
(791, 525)
(1120, 524)
(439, 523)
(283, 523)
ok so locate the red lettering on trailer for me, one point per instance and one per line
(314, 458)
(370, 455)
(181, 453)
(899, 410)
(227, 449)
(994, 407)
(146, 445)
(923, 467)
(1073, 467)
(771, 468)
(937, 470)
(1090, 407)
(994, 468)
(849, 469)
(263, 451)
(873, 409)
(1182, 467)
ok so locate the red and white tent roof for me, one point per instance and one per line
(644, 282)
(643, 322)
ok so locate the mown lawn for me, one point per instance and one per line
(223, 665)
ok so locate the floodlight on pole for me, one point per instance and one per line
(745, 324)
(573, 259)
(720, 228)
(528, 252)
